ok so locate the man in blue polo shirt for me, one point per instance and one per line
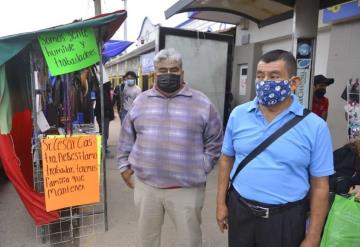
(265, 205)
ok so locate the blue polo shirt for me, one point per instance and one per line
(281, 173)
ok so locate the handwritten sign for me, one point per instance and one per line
(70, 171)
(70, 51)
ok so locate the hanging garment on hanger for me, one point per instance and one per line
(352, 89)
(57, 92)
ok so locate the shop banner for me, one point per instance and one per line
(69, 51)
(70, 171)
(147, 62)
(304, 60)
(342, 12)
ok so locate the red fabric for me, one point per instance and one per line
(21, 132)
(320, 106)
(33, 201)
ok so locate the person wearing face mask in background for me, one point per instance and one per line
(265, 205)
(320, 104)
(128, 93)
(170, 141)
(108, 110)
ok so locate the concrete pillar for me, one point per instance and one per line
(306, 14)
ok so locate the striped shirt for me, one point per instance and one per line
(171, 141)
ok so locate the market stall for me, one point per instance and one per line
(50, 147)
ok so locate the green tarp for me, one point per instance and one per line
(105, 26)
(108, 23)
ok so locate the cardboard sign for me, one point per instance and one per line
(70, 171)
(66, 52)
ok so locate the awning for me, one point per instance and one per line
(107, 24)
(217, 16)
(262, 12)
(112, 48)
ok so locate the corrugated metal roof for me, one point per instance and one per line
(262, 12)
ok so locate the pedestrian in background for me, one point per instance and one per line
(108, 114)
(125, 94)
(320, 104)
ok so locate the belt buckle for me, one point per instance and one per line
(259, 211)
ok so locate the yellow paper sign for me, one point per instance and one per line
(70, 171)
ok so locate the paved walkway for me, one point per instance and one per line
(18, 230)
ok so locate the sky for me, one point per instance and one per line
(17, 16)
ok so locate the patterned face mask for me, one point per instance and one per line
(271, 92)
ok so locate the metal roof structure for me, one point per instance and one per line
(262, 12)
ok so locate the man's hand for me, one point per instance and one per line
(309, 242)
(222, 212)
(127, 176)
(355, 191)
(222, 217)
(319, 201)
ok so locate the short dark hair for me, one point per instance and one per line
(130, 73)
(286, 56)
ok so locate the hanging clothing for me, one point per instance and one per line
(108, 107)
(5, 104)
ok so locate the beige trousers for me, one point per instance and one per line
(183, 206)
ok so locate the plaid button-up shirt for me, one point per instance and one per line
(171, 141)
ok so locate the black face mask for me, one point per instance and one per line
(320, 92)
(168, 83)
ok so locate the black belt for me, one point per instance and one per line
(266, 210)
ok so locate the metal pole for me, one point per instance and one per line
(125, 22)
(97, 4)
(36, 141)
(103, 158)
